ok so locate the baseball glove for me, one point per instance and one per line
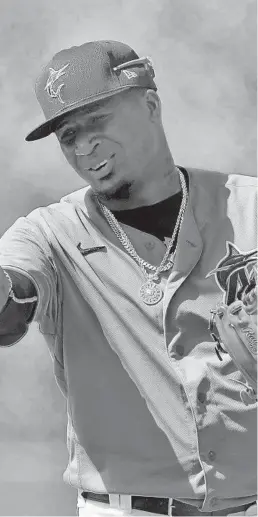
(234, 330)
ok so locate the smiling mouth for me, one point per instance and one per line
(101, 165)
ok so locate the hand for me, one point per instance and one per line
(4, 288)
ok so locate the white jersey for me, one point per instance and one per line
(151, 409)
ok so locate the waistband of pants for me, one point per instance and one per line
(159, 505)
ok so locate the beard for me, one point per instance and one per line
(121, 192)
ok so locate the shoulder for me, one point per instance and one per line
(211, 180)
(213, 193)
(222, 177)
(65, 206)
(76, 197)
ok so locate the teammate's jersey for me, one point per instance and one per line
(151, 409)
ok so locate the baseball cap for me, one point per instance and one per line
(81, 75)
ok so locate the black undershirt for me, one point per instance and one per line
(158, 219)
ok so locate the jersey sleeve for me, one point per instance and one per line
(25, 248)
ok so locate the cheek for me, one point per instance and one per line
(141, 145)
(72, 160)
(70, 156)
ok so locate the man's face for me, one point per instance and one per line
(110, 144)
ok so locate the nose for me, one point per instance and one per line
(86, 144)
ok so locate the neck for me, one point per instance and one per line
(152, 191)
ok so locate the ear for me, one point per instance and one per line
(153, 104)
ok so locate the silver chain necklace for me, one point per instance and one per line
(150, 292)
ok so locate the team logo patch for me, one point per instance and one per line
(235, 272)
(54, 75)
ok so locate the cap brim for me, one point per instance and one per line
(49, 126)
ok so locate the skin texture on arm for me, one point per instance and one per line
(15, 317)
(4, 289)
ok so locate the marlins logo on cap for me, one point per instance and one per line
(54, 75)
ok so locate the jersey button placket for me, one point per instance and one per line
(212, 455)
(150, 245)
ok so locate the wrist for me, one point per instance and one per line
(10, 294)
(5, 290)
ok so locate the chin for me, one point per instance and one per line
(121, 191)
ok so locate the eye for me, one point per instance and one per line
(68, 137)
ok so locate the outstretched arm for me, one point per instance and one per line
(26, 257)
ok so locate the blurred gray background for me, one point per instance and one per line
(204, 54)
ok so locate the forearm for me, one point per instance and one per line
(14, 317)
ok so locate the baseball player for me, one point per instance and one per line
(122, 277)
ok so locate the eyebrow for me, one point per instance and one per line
(83, 110)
